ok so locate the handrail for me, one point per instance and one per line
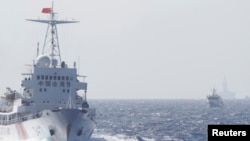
(7, 120)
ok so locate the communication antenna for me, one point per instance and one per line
(37, 49)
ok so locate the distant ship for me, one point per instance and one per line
(52, 105)
(226, 93)
(215, 100)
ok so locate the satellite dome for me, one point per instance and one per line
(43, 61)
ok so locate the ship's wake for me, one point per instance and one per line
(118, 137)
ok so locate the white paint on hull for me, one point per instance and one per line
(67, 125)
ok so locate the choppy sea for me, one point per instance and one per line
(163, 120)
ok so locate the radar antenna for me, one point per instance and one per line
(51, 42)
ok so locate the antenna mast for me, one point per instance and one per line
(51, 41)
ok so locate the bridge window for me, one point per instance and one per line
(38, 77)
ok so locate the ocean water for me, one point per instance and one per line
(163, 120)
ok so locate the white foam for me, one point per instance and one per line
(118, 137)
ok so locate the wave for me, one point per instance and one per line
(118, 137)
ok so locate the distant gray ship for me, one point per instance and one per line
(214, 99)
(52, 105)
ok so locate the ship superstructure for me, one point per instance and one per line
(52, 105)
(214, 99)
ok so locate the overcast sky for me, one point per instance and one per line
(143, 49)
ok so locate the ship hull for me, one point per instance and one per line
(215, 103)
(56, 125)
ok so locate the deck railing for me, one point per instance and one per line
(15, 118)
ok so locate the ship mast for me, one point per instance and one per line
(51, 41)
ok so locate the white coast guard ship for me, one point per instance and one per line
(50, 106)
